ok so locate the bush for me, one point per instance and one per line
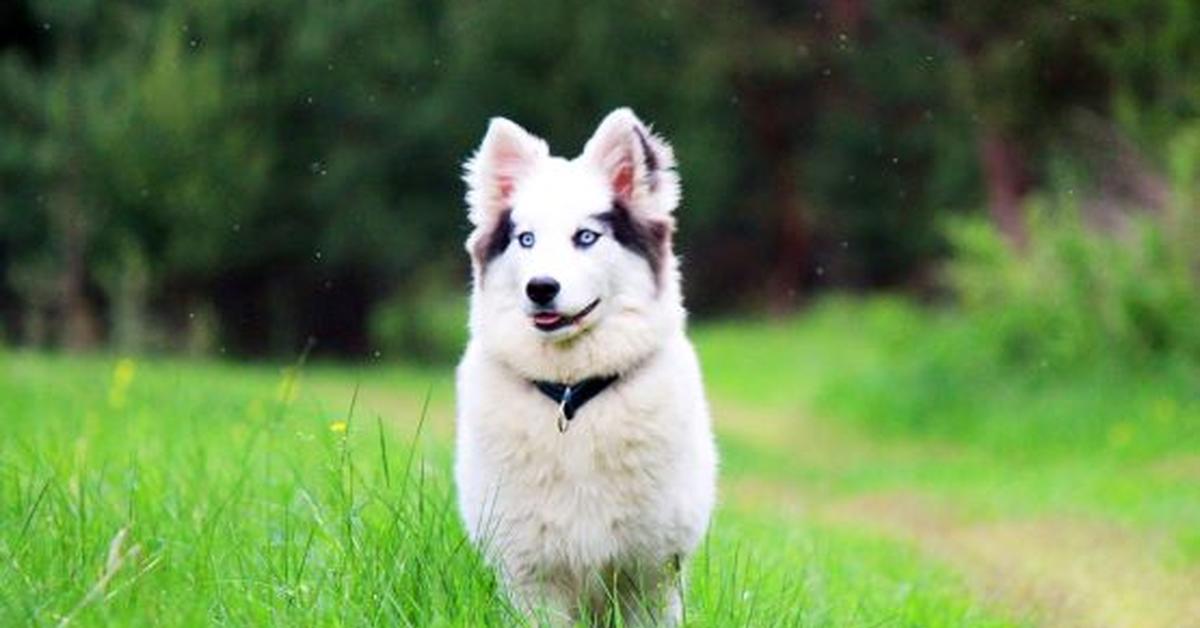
(1075, 294)
(898, 368)
(427, 325)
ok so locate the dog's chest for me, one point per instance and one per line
(619, 433)
(605, 481)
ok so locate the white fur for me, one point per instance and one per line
(631, 484)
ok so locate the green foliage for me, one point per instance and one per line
(426, 325)
(275, 163)
(1076, 294)
(266, 158)
(899, 169)
(174, 165)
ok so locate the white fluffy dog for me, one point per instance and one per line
(585, 462)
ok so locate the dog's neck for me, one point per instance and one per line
(571, 397)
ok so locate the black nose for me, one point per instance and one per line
(541, 290)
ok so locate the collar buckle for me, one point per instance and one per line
(563, 420)
(570, 398)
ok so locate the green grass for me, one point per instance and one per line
(901, 370)
(904, 421)
(233, 500)
(880, 467)
(1079, 440)
(169, 493)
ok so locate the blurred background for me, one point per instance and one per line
(237, 177)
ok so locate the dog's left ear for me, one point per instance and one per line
(640, 165)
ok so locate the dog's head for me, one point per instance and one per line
(568, 255)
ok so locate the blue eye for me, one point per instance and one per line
(525, 239)
(585, 238)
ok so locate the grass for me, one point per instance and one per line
(909, 372)
(185, 495)
(1121, 445)
(899, 420)
(864, 482)
(170, 493)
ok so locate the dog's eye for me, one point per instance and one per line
(525, 239)
(585, 238)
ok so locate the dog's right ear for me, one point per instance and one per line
(506, 154)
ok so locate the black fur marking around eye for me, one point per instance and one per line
(495, 242)
(648, 239)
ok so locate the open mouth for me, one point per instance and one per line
(551, 321)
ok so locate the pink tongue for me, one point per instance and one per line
(547, 318)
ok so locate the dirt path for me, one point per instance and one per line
(1060, 571)
(1053, 570)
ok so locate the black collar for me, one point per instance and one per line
(570, 398)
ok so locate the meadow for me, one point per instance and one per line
(873, 475)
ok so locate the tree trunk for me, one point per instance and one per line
(79, 329)
(774, 122)
(848, 16)
(791, 262)
(1006, 182)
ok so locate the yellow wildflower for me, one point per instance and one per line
(338, 426)
(122, 378)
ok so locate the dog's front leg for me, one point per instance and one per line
(651, 597)
(543, 601)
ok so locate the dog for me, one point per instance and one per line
(585, 462)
